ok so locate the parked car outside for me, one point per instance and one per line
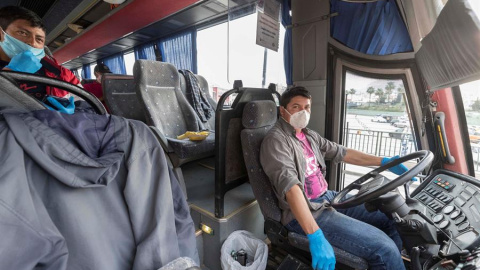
(474, 136)
(403, 118)
(401, 133)
(400, 124)
(379, 119)
(475, 147)
(387, 117)
(393, 121)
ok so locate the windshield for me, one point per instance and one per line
(471, 103)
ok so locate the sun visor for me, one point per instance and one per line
(450, 53)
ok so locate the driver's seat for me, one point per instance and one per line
(258, 117)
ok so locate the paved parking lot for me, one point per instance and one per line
(365, 122)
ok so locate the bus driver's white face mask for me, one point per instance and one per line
(299, 119)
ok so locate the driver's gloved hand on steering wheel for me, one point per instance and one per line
(68, 108)
(397, 169)
(323, 257)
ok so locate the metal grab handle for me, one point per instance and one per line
(439, 124)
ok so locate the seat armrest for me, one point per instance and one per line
(162, 139)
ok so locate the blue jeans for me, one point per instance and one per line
(371, 236)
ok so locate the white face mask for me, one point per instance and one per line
(299, 119)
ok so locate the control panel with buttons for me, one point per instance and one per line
(453, 204)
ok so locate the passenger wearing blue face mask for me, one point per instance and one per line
(22, 43)
(293, 157)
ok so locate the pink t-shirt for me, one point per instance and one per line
(315, 184)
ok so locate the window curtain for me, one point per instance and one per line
(116, 63)
(86, 71)
(375, 28)
(287, 42)
(179, 51)
(450, 52)
(145, 51)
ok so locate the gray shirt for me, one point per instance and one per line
(283, 161)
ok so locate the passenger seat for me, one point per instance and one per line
(170, 114)
(120, 97)
(210, 124)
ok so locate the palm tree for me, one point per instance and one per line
(380, 95)
(388, 89)
(352, 91)
(400, 91)
(476, 105)
(370, 91)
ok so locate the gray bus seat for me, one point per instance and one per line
(210, 124)
(167, 110)
(229, 165)
(87, 81)
(258, 118)
(120, 97)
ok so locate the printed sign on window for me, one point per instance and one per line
(272, 9)
(268, 32)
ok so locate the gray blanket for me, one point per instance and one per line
(85, 191)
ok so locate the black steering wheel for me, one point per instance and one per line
(380, 184)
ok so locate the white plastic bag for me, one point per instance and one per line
(257, 251)
(179, 264)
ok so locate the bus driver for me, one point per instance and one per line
(293, 157)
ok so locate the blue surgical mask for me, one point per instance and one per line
(12, 46)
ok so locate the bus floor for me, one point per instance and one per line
(242, 211)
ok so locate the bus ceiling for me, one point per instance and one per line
(96, 30)
(108, 31)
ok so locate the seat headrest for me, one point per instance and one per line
(259, 113)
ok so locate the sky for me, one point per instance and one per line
(470, 91)
(221, 64)
(361, 84)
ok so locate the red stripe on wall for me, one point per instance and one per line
(132, 17)
(452, 130)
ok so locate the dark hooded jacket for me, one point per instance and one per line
(86, 191)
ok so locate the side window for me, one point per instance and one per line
(471, 104)
(129, 61)
(212, 58)
(377, 120)
(92, 67)
(227, 52)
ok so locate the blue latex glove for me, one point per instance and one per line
(323, 257)
(25, 62)
(70, 109)
(397, 169)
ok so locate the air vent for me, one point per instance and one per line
(217, 6)
(39, 7)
